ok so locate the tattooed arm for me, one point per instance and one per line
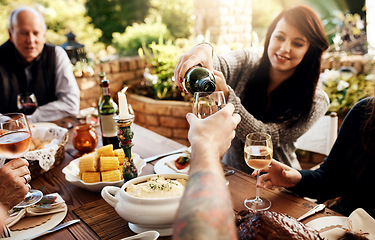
(206, 210)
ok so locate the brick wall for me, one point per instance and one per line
(164, 117)
(124, 70)
(335, 61)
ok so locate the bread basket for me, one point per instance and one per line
(50, 156)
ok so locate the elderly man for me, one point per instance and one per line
(29, 64)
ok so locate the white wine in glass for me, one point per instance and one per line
(206, 104)
(15, 141)
(258, 154)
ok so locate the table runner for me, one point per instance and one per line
(104, 220)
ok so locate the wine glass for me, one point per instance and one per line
(15, 141)
(27, 103)
(258, 155)
(205, 104)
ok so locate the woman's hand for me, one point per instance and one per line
(221, 84)
(199, 55)
(278, 175)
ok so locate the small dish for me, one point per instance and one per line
(323, 222)
(72, 175)
(161, 166)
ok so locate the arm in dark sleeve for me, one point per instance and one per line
(328, 181)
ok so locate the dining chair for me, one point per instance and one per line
(321, 136)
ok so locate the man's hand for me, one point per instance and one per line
(13, 188)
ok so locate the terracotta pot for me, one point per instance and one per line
(85, 138)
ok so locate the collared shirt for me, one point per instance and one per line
(66, 91)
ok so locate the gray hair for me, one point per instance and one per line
(13, 16)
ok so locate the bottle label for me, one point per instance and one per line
(108, 125)
(106, 91)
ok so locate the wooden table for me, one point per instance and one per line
(146, 144)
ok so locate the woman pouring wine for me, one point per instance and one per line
(275, 94)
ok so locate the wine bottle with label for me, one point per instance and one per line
(199, 79)
(107, 110)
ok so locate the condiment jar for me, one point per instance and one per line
(85, 138)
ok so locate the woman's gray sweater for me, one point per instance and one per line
(237, 67)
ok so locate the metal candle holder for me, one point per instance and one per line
(125, 136)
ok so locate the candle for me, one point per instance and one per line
(123, 104)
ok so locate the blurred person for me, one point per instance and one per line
(277, 93)
(29, 64)
(14, 185)
(206, 210)
(346, 173)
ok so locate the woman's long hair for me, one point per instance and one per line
(293, 99)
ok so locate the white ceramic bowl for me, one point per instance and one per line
(72, 175)
(141, 213)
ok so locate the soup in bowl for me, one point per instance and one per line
(149, 202)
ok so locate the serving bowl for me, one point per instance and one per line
(144, 214)
(71, 172)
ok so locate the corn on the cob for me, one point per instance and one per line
(88, 163)
(106, 150)
(121, 168)
(120, 154)
(91, 177)
(108, 163)
(111, 176)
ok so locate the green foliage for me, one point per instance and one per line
(135, 36)
(163, 58)
(169, 19)
(345, 89)
(115, 15)
(177, 15)
(61, 16)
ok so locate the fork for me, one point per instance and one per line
(6, 232)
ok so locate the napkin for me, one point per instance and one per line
(359, 221)
(51, 203)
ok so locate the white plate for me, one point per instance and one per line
(72, 175)
(161, 166)
(28, 233)
(43, 125)
(323, 222)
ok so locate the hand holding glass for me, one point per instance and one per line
(258, 155)
(15, 141)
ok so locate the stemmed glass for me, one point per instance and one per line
(27, 103)
(15, 141)
(205, 104)
(258, 155)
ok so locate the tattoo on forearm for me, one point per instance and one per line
(206, 210)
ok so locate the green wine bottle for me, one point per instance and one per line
(107, 110)
(199, 79)
(101, 77)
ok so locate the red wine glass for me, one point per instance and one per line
(27, 103)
